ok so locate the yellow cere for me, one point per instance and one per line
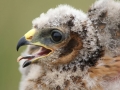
(30, 34)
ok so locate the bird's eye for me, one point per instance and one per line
(56, 35)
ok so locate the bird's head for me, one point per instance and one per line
(61, 36)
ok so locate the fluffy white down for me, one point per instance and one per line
(112, 9)
(60, 14)
(55, 16)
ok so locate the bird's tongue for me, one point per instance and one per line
(42, 51)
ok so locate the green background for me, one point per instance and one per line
(15, 21)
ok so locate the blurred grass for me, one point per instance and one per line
(15, 21)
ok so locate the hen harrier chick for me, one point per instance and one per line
(70, 50)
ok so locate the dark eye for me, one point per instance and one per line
(56, 35)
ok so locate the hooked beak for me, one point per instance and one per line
(22, 42)
(25, 40)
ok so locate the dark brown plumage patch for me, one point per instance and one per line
(76, 79)
(103, 14)
(101, 17)
(71, 50)
(66, 83)
(70, 22)
(69, 47)
(102, 26)
(58, 88)
(118, 33)
(74, 69)
(119, 26)
(107, 66)
(109, 69)
(66, 68)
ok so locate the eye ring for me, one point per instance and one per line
(56, 36)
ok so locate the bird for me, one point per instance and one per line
(68, 49)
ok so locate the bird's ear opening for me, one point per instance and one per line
(71, 50)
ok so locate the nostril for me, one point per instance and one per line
(29, 38)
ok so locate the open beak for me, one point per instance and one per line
(42, 52)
